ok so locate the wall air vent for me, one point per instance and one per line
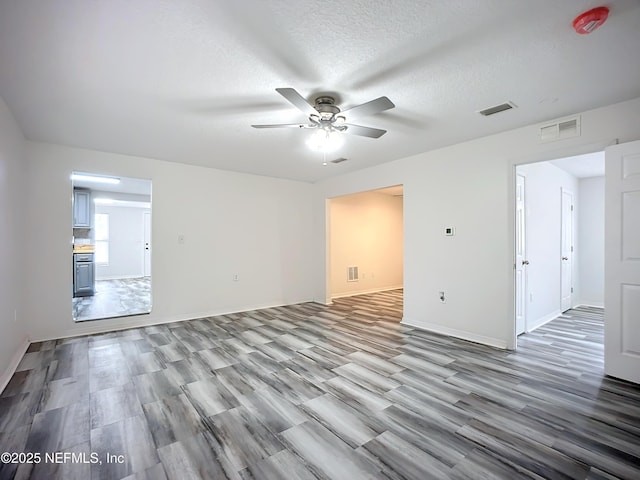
(352, 274)
(559, 130)
(339, 160)
(497, 109)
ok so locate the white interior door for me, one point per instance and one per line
(147, 244)
(521, 257)
(622, 262)
(566, 250)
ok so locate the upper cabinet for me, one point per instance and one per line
(82, 208)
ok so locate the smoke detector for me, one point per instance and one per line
(590, 20)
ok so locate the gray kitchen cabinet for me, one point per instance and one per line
(82, 209)
(83, 275)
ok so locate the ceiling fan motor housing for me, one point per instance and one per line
(326, 107)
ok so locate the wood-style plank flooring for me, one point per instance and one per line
(310, 391)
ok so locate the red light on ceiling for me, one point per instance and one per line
(588, 21)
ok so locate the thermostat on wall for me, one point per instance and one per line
(449, 231)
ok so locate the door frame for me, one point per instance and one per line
(328, 238)
(514, 162)
(563, 228)
(146, 252)
(521, 258)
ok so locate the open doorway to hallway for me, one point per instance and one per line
(559, 262)
(365, 242)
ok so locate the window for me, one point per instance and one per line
(102, 238)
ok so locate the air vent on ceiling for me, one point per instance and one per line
(339, 160)
(560, 130)
(496, 109)
(352, 274)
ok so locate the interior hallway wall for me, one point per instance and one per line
(591, 235)
(14, 339)
(366, 231)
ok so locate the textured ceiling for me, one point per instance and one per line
(184, 80)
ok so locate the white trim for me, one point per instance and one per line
(364, 292)
(13, 364)
(543, 320)
(452, 332)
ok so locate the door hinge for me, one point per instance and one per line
(571, 289)
(571, 248)
(572, 208)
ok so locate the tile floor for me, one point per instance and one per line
(309, 391)
(115, 298)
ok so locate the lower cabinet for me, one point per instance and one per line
(83, 275)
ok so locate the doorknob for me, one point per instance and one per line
(525, 262)
(565, 258)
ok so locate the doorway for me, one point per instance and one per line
(365, 242)
(111, 246)
(559, 238)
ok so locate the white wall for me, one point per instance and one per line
(126, 242)
(257, 227)
(591, 235)
(273, 233)
(543, 186)
(469, 186)
(13, 337)
(366, 231)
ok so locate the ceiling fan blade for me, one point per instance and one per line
(364, 131)
(284, 125)
(297, 100)
(370, 108)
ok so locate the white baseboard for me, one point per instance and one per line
(588, 303)
(532, 325)
(92, 327)
(118, 277)
(13, 364)
(452, 332)
(365, 292)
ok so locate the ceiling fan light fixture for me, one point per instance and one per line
(325, 140)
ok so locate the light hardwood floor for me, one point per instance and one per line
(309, 391)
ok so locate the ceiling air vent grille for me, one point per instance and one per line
(560, 130)
(339, 160)
(496, 109)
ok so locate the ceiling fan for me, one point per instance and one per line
(326, 115)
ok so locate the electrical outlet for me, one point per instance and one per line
(180, 239)
(236, 278)
(442, 297)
